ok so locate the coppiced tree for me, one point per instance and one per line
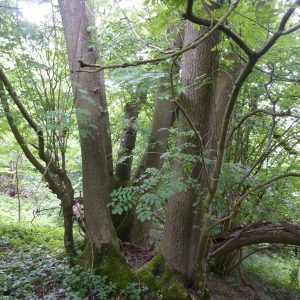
(218, 163)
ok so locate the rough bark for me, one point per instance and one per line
(226, 78)
(198, 69)
(93, 122)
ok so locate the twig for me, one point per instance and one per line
(259, 111)
(194, 44)
(239, 201)
(148, 44)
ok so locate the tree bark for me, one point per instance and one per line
(162, 121)
(93, 122)
(127, 145)
(198, 70)
(163, 118)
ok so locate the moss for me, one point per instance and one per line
(157, 264)
(113, 265)
(175, 290)
(172, 286)
(147, 278)
(109, 262)
(157, 275)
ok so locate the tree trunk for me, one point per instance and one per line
(162, 121)
(163, 118)
(180, 241)
(127, 145)
(93, 123)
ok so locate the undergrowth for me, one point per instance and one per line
(32, 263)
(32, 267)
(280, 271)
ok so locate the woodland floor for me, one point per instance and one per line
(32, 266)
(44, 283)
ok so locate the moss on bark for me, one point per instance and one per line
(114, 266)
(110, 262)
(158, 276)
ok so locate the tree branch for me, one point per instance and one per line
(148, 44)
(16, 132)
(224, 28)
(255, 112)
(194, 44)
(231, 103)
(280, 31)
(13, 94)
(238, 202)
(286, 233)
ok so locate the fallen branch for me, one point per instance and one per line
(226, 242)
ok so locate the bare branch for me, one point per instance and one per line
(13, 94)
(17, 133)
(291, 30)
(280, 31)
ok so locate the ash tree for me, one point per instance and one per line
(224, 125)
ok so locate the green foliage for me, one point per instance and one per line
(281, 271)
(26, 236)
(149, 194)
(32, 264)
(38, 272)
